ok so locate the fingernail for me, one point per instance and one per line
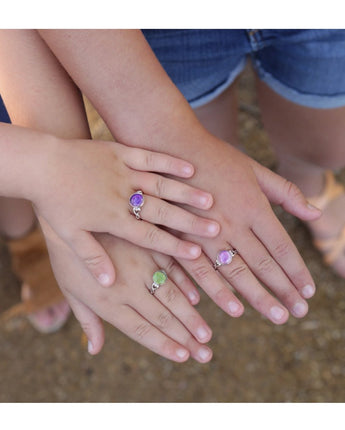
(277, 313)
(90, 347)
(194, 251)
(205, 201)
(193, 297)
(181, 353)
(233, 307)
(308, 291)
(202, 333)
(213, 227)
(188, 170)
(204, 353)
(299, 309)
(104, 279)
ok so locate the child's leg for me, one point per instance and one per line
(219, 116)
(17, 220)
(308, 141)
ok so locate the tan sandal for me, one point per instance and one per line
(30, 260)
(333, 247)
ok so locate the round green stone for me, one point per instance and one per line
(159, 277)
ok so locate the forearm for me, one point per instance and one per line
(21, 157)
(38, 95)
(37, 91)
(119, 73)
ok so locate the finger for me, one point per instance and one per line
(175, 191)
(94, 257)
(172, 298)
(282, 192)
(142, 331)
(160, 212)
(213, 284)
(141, 159)
(166, 322)
(178, 276)
(285, 253)
(266, 269)
(89, 322)
(238, 274)
(149, 236)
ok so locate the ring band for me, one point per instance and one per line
(224, 257)
(136, 201)
(159, 278)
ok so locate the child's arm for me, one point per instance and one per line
(40, 151)
(121, 76)
(83, 186)
(167, 323)
(80, 187)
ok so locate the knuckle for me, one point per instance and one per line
(170, 267)
(201, 272)
(170, 165)
(93, 261)
(148, 160)
(292, 190)
(237, 272)
(142, 330)
(163, 213)
(159, 186)
(164, 319)
(170, 294)
(194, 224)
(282, 250)
(265, 265)
(153, 235)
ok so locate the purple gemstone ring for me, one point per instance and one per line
(136, 201)
(224, 257)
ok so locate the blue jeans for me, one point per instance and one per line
(306, 67)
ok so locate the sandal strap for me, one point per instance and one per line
(331, 191)
(331, 248)
(30, 260)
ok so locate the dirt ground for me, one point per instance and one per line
(254, 361)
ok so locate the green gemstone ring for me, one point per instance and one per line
(159, 278)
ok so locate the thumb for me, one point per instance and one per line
(282, 192)
(94, 257)
(90, 323)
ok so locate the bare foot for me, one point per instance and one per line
(51, 318)
(42, 300)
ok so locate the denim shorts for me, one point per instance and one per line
(306, 67)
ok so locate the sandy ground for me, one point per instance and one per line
(254, 361)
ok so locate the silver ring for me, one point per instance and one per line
(224, 257)
(136, 201)
(159, 278)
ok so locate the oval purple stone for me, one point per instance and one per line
(224, 257)
(136, 199)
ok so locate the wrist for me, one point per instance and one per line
(22, 161)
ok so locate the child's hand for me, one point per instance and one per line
(242, 190)
(87, 186)
(165, 322)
